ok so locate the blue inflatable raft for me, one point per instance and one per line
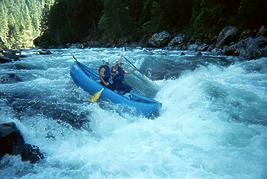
(88, 80)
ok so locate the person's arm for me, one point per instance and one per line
(102, 75)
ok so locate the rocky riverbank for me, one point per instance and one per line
(249, 44)
(230, 41)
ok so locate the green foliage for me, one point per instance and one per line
(210, 16)
(70, 21)
(209, 20)
(172, 15)
(177, 13)
(155, 17)
(120, 20)
(20, 22)
(252, 13)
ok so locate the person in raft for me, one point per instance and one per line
(104, 74)
(117, 73)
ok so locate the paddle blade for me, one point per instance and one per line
(96, 96)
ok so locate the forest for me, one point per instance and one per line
(21, 22)
(115, 21)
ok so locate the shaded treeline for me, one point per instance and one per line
(118, 21)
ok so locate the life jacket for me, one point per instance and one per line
(119, 76)
(106, 73)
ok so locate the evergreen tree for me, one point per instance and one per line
(20, 22)
(70, 21)
(3, 26)
(117, 22)
(252, 14)
(177, 13)
(208, 18)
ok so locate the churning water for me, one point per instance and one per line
(213, 121)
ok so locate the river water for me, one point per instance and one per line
(213, 121)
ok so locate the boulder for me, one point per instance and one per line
(226, 36)
(230, 51)
(199, 54)
(248, 33)
(44, 52)
(9, 78)
(178, 41)
(261, 41)
(217, 51)
(263, 51)
(193, 46)
(203, 47)
(262, 31)
(12, 142)
(4, 59)
(14, 54)
(249, 48)
(74, 45)
(210, 47)
(159, 39)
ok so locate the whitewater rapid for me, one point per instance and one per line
(213, 121)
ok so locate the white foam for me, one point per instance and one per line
(203, 131)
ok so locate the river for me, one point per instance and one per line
(213, 121)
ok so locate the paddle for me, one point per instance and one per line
(75, 59)
(138, 70)
(97, 95)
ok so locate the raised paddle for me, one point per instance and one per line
(138, 70)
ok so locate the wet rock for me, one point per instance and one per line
(159, 39)
(12, 142)
(229, 51)
(263, 51)
(227, 35)
(262, 31)
(246, 48)
(9, 78)
(44, 52)
(261, 41)
(193, 46)
(178, 41)
(199, 54)
(217, 51)
(210, 47)
(247, 33)
(13, 54)
(250, 47)
(202, 47)
(5, 59)
(74, 45)
(31, 153)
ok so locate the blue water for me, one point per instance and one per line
(213, 122)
